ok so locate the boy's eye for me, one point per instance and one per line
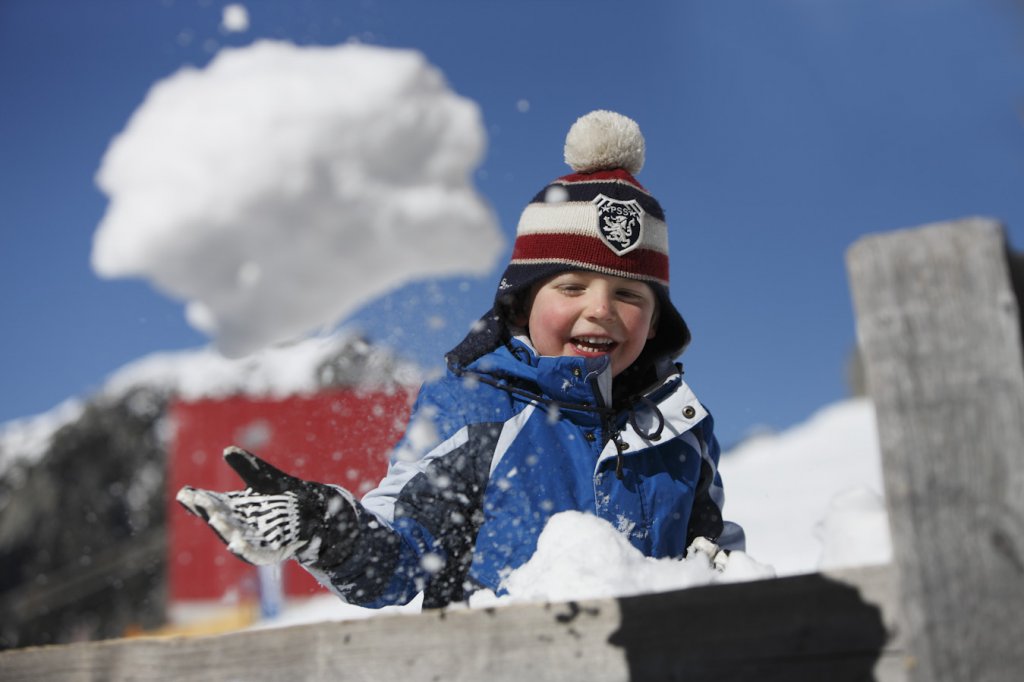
(630, 295)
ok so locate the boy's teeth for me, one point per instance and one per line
(594, 344)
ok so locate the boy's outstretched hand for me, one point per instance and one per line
(277, 516)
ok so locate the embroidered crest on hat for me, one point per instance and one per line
(619, 223)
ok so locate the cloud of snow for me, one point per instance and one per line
(235, 18)
(282, 187)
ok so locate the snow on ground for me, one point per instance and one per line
(281, 187)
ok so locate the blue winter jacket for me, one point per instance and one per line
(495, 448)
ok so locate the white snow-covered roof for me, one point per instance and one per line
(301, 368)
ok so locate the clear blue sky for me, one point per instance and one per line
(778, 133)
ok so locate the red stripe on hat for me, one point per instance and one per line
(589, 252)
(604, 176)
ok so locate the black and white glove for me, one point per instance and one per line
(277, 516)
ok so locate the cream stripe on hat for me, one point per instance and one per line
(577, 217)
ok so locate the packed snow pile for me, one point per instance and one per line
(580, 556)
(281, 187)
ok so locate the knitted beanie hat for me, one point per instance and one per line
(598, 218)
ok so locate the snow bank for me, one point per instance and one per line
(785, 489)
(282, 187)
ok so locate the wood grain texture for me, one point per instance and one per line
(938, 325)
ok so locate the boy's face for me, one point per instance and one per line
(587, 314)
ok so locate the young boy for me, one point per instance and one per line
(564, 397)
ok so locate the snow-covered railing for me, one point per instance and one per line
(940, 333)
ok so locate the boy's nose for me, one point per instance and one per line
(599, 307)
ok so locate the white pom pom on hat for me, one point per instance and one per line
(603, 140)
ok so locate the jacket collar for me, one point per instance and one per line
(566, 380)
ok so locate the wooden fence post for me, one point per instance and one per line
(939, 328)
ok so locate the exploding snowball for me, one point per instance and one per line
(282, 187)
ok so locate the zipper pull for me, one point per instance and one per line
(620, 447)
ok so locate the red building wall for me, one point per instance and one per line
(339, 436)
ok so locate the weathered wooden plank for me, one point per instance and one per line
(940, 334)
(804, 628)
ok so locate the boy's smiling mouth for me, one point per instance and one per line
(593, 345)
